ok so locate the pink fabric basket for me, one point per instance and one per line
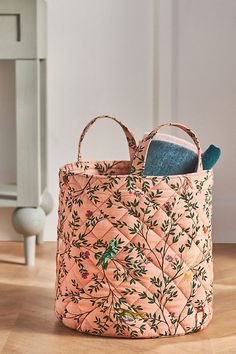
(134, 252)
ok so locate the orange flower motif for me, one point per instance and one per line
(188, 276)
(204, 228)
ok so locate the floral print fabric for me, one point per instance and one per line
(134, 253)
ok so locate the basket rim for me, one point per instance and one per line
(69, 169)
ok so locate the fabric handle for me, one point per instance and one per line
(140, 156)
(129, 136)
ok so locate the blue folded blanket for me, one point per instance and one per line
(167, 158)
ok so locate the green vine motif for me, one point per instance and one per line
(74, 197)
(130, 182)
(79, 239)
(66, 237)
(208, 201)
(123, 266)
(166, 179)
(64, 181)
(130, 268)
(200, 183)
(190, 213)
(110, 183)
(91, 192)
(168, 293)
(105, 168)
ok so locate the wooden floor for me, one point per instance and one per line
(28, 324)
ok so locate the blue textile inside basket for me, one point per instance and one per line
(165, 158)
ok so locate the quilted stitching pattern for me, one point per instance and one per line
(134, 253)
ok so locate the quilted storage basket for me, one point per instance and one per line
(134, 253)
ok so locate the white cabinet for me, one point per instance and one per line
(23, 40)
(22, 29)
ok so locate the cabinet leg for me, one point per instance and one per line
(29, 248)
(40, 238)
(29, 222)
(47, 206)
